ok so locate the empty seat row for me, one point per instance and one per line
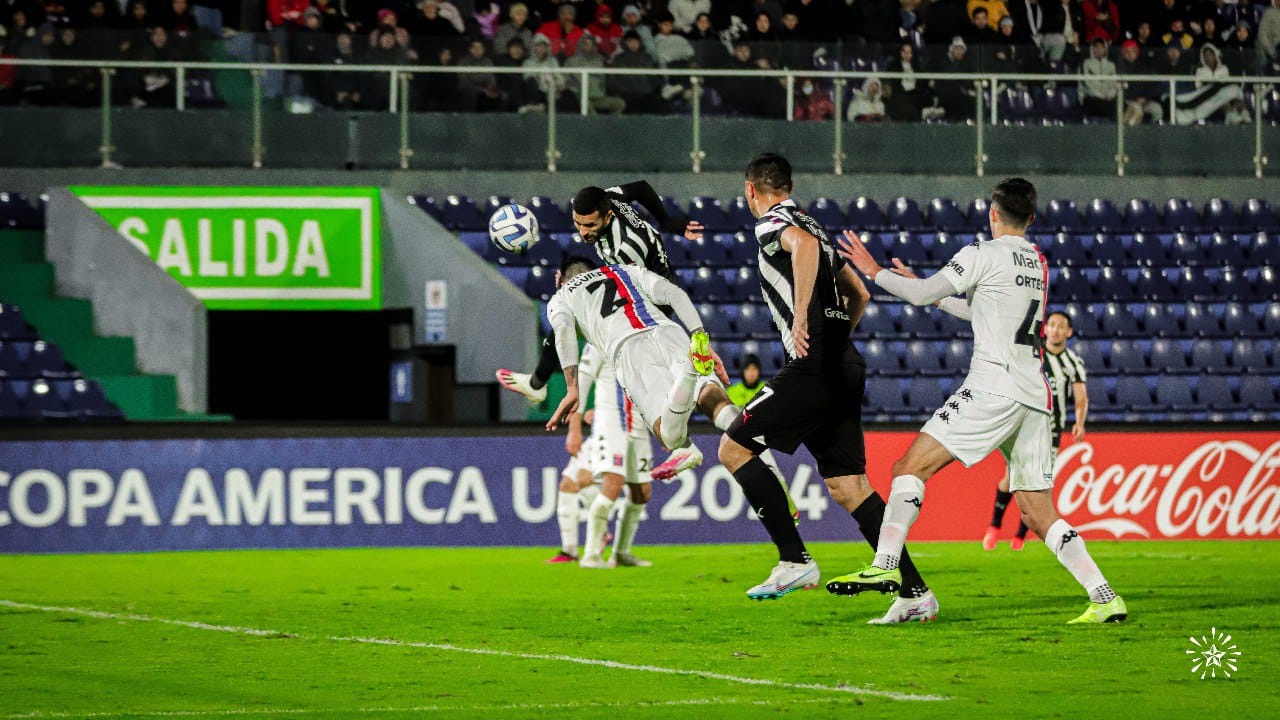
(1207, 284)
(1199, 357)
(40, 399)
(13, 326)
(1174, 320)
(1179, 393)
(33, 359)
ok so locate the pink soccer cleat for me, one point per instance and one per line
(992, 537)
(1017, 542)
(685, 458)
(562, 557)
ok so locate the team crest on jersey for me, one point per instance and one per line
(618, 460)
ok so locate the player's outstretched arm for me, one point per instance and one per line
(856, 295)
(915, 291)
(642, 192)
(803, 248)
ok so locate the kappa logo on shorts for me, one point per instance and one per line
(965, 395)
(945, 417)
(953, 405)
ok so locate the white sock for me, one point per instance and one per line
(675, 418)
(597, 524)
(726, 416)
(1067, 544)
(628, 521)
(567, 516)
(587, 496)
(906, 495)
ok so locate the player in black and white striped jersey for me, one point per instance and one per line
(1067, 377)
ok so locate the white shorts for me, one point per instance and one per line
(584, 460)
(972, 424)
(646, 368)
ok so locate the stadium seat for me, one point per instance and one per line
(1220, 215)
(1133, 394)
(1186, 251)
(707, 211)
(1200, 323)
(703, 252)
(1099, 395)
(1159, 320)
(1210, 356)
(551, 217)
(1174, 393)
(1179, 214)
(1152, 284)
(1085, 322)
(1267, 283)
(957, 355)
(12, 400)
(1251, 356)
(1238, 320)
(1214, 392)
(827, 213)
(880, 361)
(944, 214)
(924, 358)
(1169, 356)
(904, 214)
(1256, 391)
(45, 403)
(19, 212)
(709, 285)
(740, 249)
(1127, 358)
(427, 204)
(1261, 247)
(515, 275)
(740, 217)
(1256, 215)
(1146, 251)
(907, 249)
(885, 394)
(756, 322)
(715, 322)
(1071, 284)
(460, 213)
(1224, 249)
(12, 325)
(977, 214)
(1108, 250)
(876, 322)
(86, 398)
(1117, 320)
(865, 214)
(1112, 284)
(744, 284)
(494, 202)
(945, 246)
(541, 283)
(1140, 214)
(925, 394)
(917, 322)
(1271, 319)
(1100, 215)
(1061, 216)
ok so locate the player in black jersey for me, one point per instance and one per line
(816, 400)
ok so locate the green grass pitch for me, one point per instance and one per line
(1000, 648)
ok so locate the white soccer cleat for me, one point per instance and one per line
(596, 562)
(629, 560)
(921, 609)
(685, 458)
(787, 577)
(519, 382)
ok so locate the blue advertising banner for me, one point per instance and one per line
(138, 495)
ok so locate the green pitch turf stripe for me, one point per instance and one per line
(197, 625)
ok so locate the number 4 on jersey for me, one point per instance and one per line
(1032, 325)
(610, 302)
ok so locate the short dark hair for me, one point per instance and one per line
(591, 199)
(1015, 200)
(1065, 316)
(770, 173)
(574, 265)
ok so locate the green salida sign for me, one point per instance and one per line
(249, 248)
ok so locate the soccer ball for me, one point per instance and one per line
(513, 228)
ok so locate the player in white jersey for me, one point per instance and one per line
(1004, 403)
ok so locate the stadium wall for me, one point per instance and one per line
(131, 296)
(136, 490)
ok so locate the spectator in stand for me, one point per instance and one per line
(346, 90)
(312, 45)
(439, 92)
(686, 12)
(1142, 100)
(544, 84)
(764, 41)
(996, 10)
(813, 104)
(1073, 23)
(867, 106)
(431, 30)
(1269, 33)
(1172, 61)
(1013, 54)
(956, 97)
(154, 87)
(1101, 21)
(562, 32)
(742, 392)
(1239, 43)
(598, 101)
(749, 97)
(979, 32)
(945, 18)
(8, 75)
(907, 96)
(96, 29)
(631, 22)
(283, 16)
(480, 92)
(388, 20)
(910, 23)
(795, 50)
(708, 49)
(1147, 44)
(487, 17)
(515, 91)
(135, 29)
(1178, 33)
(334, 17)
(1207, 98)
(670, 50)
(1206, 31)
(773, 8)
(1098, 97)
(1167, 12)
(1044, 23)
(516, 28)
(606, 32)
(639, 93)
(36, 81)
(73, 86)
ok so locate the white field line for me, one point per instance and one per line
(612, 664)
(424, 709)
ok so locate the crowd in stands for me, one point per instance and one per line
(1196, 39)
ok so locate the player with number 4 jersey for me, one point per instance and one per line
(1004, 403)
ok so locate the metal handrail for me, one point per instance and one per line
(398, 76)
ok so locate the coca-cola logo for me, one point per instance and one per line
(1222, 488)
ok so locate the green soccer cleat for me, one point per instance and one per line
(700, 353)
(868, 578)
(1108, 612)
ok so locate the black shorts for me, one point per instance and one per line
(1057, 441)
(818, 405)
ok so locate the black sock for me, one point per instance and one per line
(1023, 529)
(548, 363)
(769, 501)
(1002, 502)
(869, 515)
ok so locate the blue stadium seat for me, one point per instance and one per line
(1224, 249)
(1179, 214)
(880, 361)
(1071, 284)
(1267, 283)
(1214, 392)
(680, 254)
(1118, 320)
(46, 404)
(1238, 320)
(18, 212)
(1271, 319)
(1252, 356)
(1154, 285)
(1169, 356)
(1108, 250)
(865, 214)
(460, 213)
(428, 205)
(924, 358)
(1219, 214)
(925, 394)
(704, 252)
(1159, 320)
(1186, 251)
(885, 395)
(1210, 356)
(1256, 391)
(541, 283)
(707, 211)
(715, 322)
(494, 202)
(977, 214)
(957, 356)
(1145, 250)
(1200, 323)
(1061, 215)
(13, 394)
(709, 285)
(827, 213)
(744, 284)
(1112, 284)
(944, 214)
(85, 399)
(1174, 393)
(907, 249)
(918, 323)
(756, 322)
(1227, 284)
(904, 214)
(1140, 214)
(551, 217)
(740, 217)
(740, 249)
(1256, 215)
(515, 275)
(1085, 322)
(1100, 215)
(1100, 396)
(12, 325)
(877, 322)
(1260, 248)
(1133, 394)
(1127, 358)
